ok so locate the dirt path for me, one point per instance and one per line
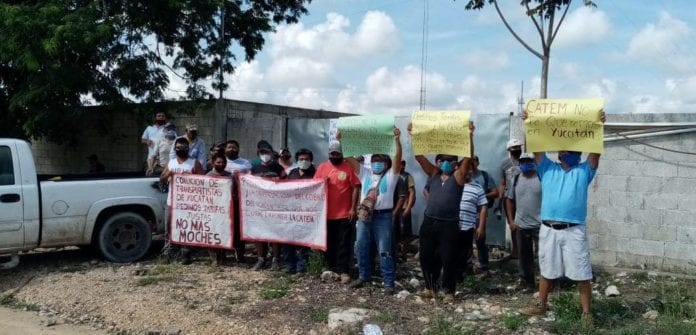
(30, 323)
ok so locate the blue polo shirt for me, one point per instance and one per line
(564, 193)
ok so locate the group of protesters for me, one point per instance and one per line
(369, 209)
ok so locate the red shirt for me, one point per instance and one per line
(341, 180)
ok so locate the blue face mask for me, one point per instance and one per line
(571, 158)
(377, 167)
(527, 167)
(446, 167)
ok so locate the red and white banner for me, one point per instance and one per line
(290, 212)
(201, 212)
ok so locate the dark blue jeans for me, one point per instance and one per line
(379, 230)
(295, 258)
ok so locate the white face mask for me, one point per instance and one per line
(303, 164)
(265, 158)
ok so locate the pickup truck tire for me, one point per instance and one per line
(124, 237)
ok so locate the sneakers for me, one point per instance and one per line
(260, 262)
(426, 293)
(345, 278)
(537, 309)
(389, 291)
(358, 283)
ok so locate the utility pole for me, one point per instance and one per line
(424, 53)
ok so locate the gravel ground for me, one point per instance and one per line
(73, 286)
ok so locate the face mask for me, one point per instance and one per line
(571, 158)
(526, 167)
(516, 154)
(377, 167)
(181, 153)
(304, 165)
(447, 167)
(265, 158)
(232, 155)
(336, 160)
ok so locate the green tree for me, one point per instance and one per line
(55, 55)
(543, 14)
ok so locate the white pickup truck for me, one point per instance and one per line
(118, 216)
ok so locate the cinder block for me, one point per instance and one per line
(678, 265)
(627, 230)
(686, 235)
(627, 199)
(657, 168)
(645, 184)
(686, 170)
(609, 181)
(662, 201)
(649, 217)
(678, 218)
(631, 260)
(682, 251)
(679, 185)
(660, 233)
(613, 243)
(607, 258)
(620, 167)
(611, 214)
(647, 248)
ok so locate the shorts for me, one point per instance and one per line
(564, 252)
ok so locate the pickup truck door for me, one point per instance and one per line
(11, 204)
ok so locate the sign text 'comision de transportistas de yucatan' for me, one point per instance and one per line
(564, 124)
(441, 132)
(367, 135)
(201, 211)
(291, 212)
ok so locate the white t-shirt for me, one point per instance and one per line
(385, 197)
(153, 133)
(175, 167)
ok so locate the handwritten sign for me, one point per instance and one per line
(554, 124)
(441, 132)
(367, 135)
(201, 211)
(290, 212)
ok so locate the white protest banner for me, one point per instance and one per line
(201, 211)
(290, 212)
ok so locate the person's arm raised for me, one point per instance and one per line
(593, 158)
(462, 172)
(425, 164)
(396, 166)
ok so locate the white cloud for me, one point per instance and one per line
(300, 72)
(683, 89)
(330, 41)
(401, 89)
(582, 26)
(663, 44)
(486, 60)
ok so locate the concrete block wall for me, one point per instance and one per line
(642, 206)
(119, 149)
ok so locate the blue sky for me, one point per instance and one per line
(363, 56)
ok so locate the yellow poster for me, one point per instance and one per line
(564, 124)
(441, 132)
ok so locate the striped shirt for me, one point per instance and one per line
(473, 196)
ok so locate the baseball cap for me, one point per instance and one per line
(192, 127)
(513, 142)
(264, 146)
(527, 155)
(335, 146)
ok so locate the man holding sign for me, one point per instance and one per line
(375, 214)
(563, 245)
